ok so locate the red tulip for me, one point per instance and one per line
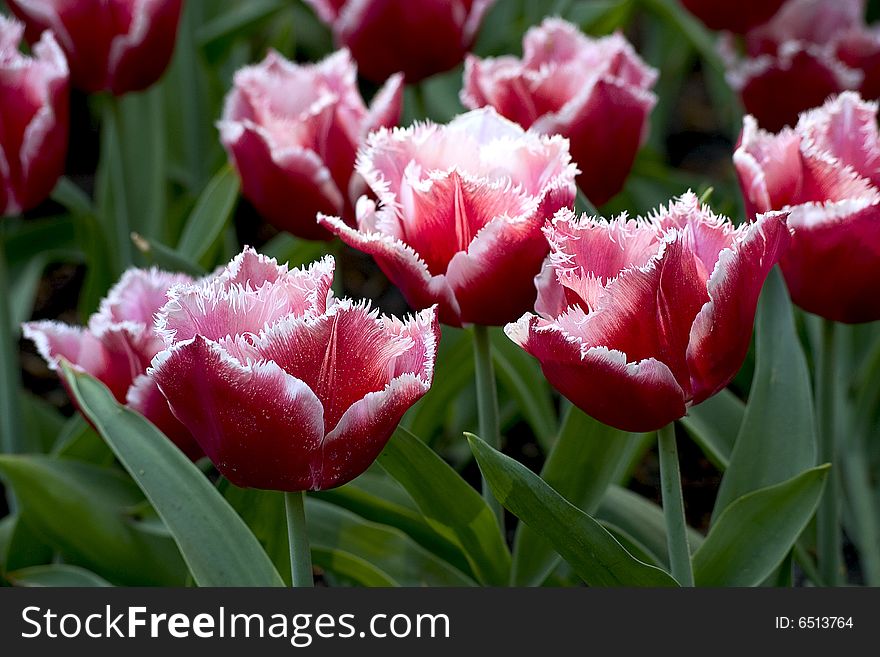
(33, 119)
(118, 345)
(595, 92)
(825, 171)
(418, 37)
(112, 45)
(810, 50)
(283, 386)
(738, 17)
(460, 210)
(641, 318)
(293, 132)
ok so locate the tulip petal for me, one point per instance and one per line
(139, 56)
(831, 267)
(721, 332)
(260, 426)
(769, 167)
(342, 355)
(230, 304)
(138, 295)
(632, 396)
(386, 106)
(400, 263)
(144, 397)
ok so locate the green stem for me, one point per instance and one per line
(11, 435)
(298, 540)
(421, 103)
(857, 480)
(827, 516)
(673, 508)
(487, 407)
(583, 205)
(113, 204)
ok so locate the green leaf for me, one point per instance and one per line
(375, 496)
(217, 36)
(218, 547)
(520, 376)
(591, 551)
(714, 425)
(388, 551)
(449, 505)
(584, 461)
(210, 216)
(56, 574)
(20, 546)
(777, 438)
(264, 513)
(755, 533)
(42, 422)
(296, 252)
(86, 512)
(165, 257)
(641, 520)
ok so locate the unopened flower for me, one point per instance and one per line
(595, 92)
(293, 131)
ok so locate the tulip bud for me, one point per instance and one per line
(293, 131)
(595, 92)
(418, 37)
(459, 213)
(117, 346)
(33, 119)
(114, 45)
(639, 319)
(825, 172)
(283, 386)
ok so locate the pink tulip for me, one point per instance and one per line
(825, 171)
(112, 45)
(283, 386)
(459, 213)
(33, 119)
(418, 37)
(738, 17)
(118, 345)
(595, 92)
(639, 319)
(293, 132)
(810, 50)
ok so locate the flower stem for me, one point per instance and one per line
(673, 508)
(298, 539)
(827, 518)
(487, 407)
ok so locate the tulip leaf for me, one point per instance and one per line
(217, 36)
(334, 531)
(641, 520)
(86, 512)
(520, 376)
(20, 546)
(754, 534)
(165, 257)
(210, 216)
(216, 544)
(593, 553)
(585, 459)
(376, 496)
(449, 504)
(777, 437)
(714, 425)
(56, 575)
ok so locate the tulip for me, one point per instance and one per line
(639, 319)
(459, 213)
(595, 92)
(810, 50)
(293, 132)
(112, 45)
(825, 172)
(282, 385)
(117, 346)
(738, 17)
(418, 37)
(33, 119)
